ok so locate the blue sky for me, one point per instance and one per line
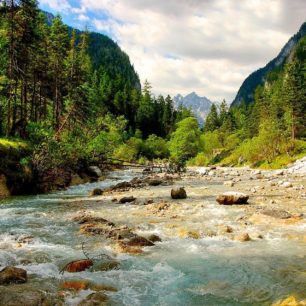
(72, 17)
(209, 46)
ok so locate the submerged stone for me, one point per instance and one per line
(13, 275)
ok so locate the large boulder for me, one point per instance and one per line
(94, 171)
(178, 193)
(13, 275)
(231, 197)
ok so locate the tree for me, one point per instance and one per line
(295, 98)
(223, 112)
(212, 120)
(185, 140)
(58, 48)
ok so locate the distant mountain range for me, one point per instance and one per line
(200, 106)
(247, 89)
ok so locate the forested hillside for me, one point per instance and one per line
(267, 131)
(247, 89)
(74, 96)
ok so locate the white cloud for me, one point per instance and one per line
(83, 17)
(57, 5)
(195, 45)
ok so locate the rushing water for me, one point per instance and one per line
(177, 271)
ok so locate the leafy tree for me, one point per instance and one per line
(185, 140)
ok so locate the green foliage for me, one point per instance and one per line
(155, 147)
(199, 160)
(212, 121)
(185, 140)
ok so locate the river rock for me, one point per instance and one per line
(279, 214)
(10, 275)
(154, 238)
(24, 295)
(139, 241)
(95, 299)
(106, 265)
(94, 171)
(83, 218)
(123, 186)
(127, 199)
(286, 185)
(243, 237)
(231, 197)
(155, 182)
(178, 193)
(96, 192)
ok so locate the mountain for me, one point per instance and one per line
(105, 54)
(200, 106)
(247, 89)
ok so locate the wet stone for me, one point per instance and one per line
(127, 200)
(95, 299)
(178, 193)
(13, 275)
(230, 198)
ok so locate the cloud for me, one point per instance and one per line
(56, 5)
(193, 45)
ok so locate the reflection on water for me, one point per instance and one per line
(177, 271)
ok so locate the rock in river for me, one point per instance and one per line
(97, 298)
(96, 192)
(178, 193)
(127, 199)
(229, 198)
(94, 171)
(14, 275)
(279, 214)
(243, 237)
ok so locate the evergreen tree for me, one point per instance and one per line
(212, 120)
(58, 49)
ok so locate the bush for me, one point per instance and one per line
(155, 147)
(200, 160)
(185, 141)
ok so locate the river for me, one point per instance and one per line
(211, 270)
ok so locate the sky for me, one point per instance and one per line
(181, 46)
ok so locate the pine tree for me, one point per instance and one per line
(212, 120)
(295, 98)
(58, 48)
